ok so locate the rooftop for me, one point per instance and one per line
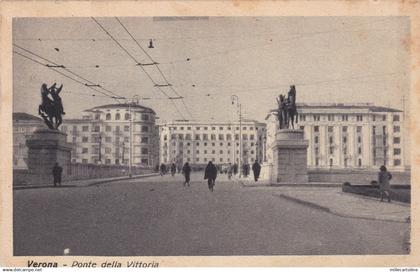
(122, 106)
(22, 116)
(368, 106)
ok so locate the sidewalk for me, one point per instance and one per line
(250, 182)
(333, 200)
(85, 182)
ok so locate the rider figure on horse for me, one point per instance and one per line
(51, 108)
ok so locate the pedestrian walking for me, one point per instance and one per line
(162, 169)
(210, 174)
(186, 170)
(57, 171)
(256, 168)
(173, 169)
(235, 169)
(229, 171)
(384, 185)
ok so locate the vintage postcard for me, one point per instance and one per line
(153, 134)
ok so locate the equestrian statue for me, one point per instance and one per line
(287, 111)
(51, 109)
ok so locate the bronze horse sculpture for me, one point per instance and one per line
(287, 111)
(51, 110)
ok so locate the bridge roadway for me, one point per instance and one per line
(158, 216)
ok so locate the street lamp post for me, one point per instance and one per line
(235, 97)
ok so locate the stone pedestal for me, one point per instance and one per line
(289, 157)
(45, 148)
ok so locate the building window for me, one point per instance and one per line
(205, 137)
(197, 144)
(221, 144)
(396, 129)
(146, 129)
(127, 116)
(330, 117)
(205, 128)
(84, 161)
(383, 117)
(181, 128)
(302, 127)
(221, 151)
(331, 140)
(397, 162)
(85, 139)
(359, 150)
(213, 128)
(117, 116)
(144, 161)
(126, 140)
(144, 151)
(236, 137)
(213, 137)
(144, 140)
(359, 162)
(330, 129)
(316, 139)
(331, 150)
(108, 139)
(397, 151)
(197, 137)
(108, 128)
(316, 161)
(107, 150)
(396, 118)
(213, 144)
(197, 152)
(228, 137)
(302, 117)
(213, 152)
(145, 117)
(244, 137)
(331, 162)
(108, 116)
(205, 151)
(251, 137)
(344, 117)
(345, 151)
(316, 150)
(84, 150)
(359, 139)
(205, 144)
(316, 128)
(126, 128)
(358, 129)
(344, 139)
(221, 137)
(317, 117)
(85, 128)
(359, 118)
(397, 140)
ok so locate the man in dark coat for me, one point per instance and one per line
(256, 168)
(210, 174)
(173, 169)
(162, 169)
(186, 170)
(57, 171)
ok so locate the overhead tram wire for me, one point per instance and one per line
(137, 62)
(68, 70)
(67, 76)
(156, 64)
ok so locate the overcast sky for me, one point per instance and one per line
(329, 59)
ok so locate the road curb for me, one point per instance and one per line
(305, 203)
(82, 183)
(310, 184)
(334, 212)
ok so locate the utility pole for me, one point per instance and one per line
(235, 97)
(100, 147)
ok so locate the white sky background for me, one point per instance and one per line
(329, 59)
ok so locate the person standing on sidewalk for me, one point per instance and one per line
(57, 171)
(256, 168)
(384, 186)
(186, 170)
(210, 174)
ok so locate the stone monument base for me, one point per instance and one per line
(45, 148)
(290, 157)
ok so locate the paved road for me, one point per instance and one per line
(158, 216)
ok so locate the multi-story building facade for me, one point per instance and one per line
(105, 133)
(23, 127)
(349, 136)
(201, 142)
